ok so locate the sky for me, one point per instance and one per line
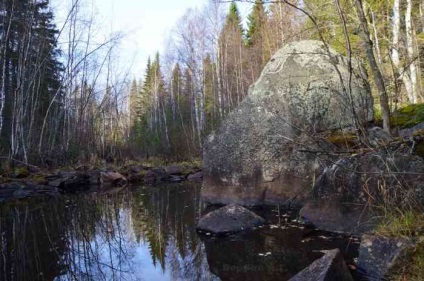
(145, 24)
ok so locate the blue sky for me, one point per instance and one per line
(144, 22)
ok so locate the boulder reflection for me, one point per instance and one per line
(147, 233)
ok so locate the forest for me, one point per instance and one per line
(62, 99)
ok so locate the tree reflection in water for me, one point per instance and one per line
(146, 233)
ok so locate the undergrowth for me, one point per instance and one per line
(401, 223)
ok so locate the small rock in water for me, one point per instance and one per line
(229, 219)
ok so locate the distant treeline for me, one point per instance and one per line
(62, 98)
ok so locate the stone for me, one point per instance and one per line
(150, 177)
(174, 170)
(70, 181)
(112, 178)
(379, 137)
(195, 176)
(94, 177)
(379, 256)
(136, 169)
(409, 132)
(344, 191)
(160, 173)
(229, 219)
(256, 157)
(331, 267)
(175, 178)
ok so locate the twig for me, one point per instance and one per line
(20, 162)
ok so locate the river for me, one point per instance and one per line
(148, 233)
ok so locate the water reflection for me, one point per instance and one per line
(271, 253)
(146, 233)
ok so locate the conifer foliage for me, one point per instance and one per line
(212, 65)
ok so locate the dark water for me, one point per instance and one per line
(148, 233)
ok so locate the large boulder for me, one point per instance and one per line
(257, 156)
(229, 219)
(345, 192)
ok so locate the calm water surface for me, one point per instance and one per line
(148, 233)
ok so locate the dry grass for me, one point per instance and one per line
(399, 223)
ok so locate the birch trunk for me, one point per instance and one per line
(378, 78)
(395, 50)
(410, 49)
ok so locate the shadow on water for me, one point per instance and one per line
(147, 233)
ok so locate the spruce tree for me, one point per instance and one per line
(30, 72)
(256, 22)
(233, 19)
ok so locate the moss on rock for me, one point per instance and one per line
(21, 172)
(343, 140)
(408, 116)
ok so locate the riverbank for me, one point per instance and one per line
(23, 181)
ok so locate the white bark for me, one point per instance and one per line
(3, 51)
(377, 44)
(395, 50)
(422, 15)
(410, 49)
(396, 30)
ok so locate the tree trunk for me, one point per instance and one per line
(410, 49)
(395, 50)
(378, 78)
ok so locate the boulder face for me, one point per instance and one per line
(254, 156)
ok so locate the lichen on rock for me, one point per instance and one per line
(255, 156)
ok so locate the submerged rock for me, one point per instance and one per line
(229, 219)
(338, 217)
(379, 256)
(331, 267)
(256, 155)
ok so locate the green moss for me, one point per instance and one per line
(408, 116)
(142, 173)
(39, 179)
(378, 120)
(343, 140)
(406, 224)
(21, 172)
